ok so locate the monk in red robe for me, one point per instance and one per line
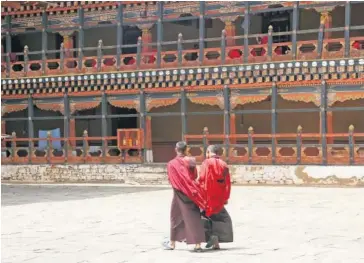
(215, 184)
(186, 224)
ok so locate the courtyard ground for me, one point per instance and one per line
(75, 223)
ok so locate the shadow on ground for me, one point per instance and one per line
(28, 194)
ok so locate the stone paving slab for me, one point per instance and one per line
(77, 224)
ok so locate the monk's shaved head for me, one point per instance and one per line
(214, 149)
(181, 147)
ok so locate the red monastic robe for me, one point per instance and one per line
(356, 45)
(182, 175)
(234, 53)
(215, 183)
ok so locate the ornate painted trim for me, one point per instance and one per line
(238, 99)
(303, 97)
(129, 104)
(160, 102)
(83, 105)
(332, 98)
(50, 106)
(211, 101)
(8, 108)
(284, 74)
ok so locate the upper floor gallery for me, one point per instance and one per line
(69, 38)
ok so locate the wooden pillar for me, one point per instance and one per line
(66, 122)
(202, 32)
(274, 120)
(104, 123)
(72, 131)
(326, 21)
(347, 28)
(148, 139)
(330, 129)
(270, 42)
(232, 127)
(246, 31)
(3, 131)
(159, 33)
(294, 29)
(119, 35)
(30, 126)
(8, 45)
(142, 122)
(30, 117)
(183, 113)
(44, 41)
(323, 122)
(227, 131)
(81, 18)
(66, 116)
(68, 42)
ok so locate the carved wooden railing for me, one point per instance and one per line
(224, 55)
(289, 148)
(76, 150)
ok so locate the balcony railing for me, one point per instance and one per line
(74, 150)
(238, 54)
(285, 148)
(289, 149)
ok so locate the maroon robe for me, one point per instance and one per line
(182, 179)
(186, 224)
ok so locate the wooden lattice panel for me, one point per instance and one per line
(130, 139)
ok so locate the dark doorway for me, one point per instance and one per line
(123, 122)
(281, 22)
(130, 37)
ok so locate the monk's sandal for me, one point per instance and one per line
(197, 250)
(212, 241)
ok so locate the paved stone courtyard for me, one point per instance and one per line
(108, 224)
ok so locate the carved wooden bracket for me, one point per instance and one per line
(303, 97)
(344, 96)
(129, 104)
(8, 108)
(50, 106)
(228, 20)
(83, 105)
(159, 102)
(67, 33)
(146, 27)
(237, 99)
(212, 101)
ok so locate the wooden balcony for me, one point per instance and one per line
(287, 149)
(259, 149)
(306, 50)
(74, 150)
